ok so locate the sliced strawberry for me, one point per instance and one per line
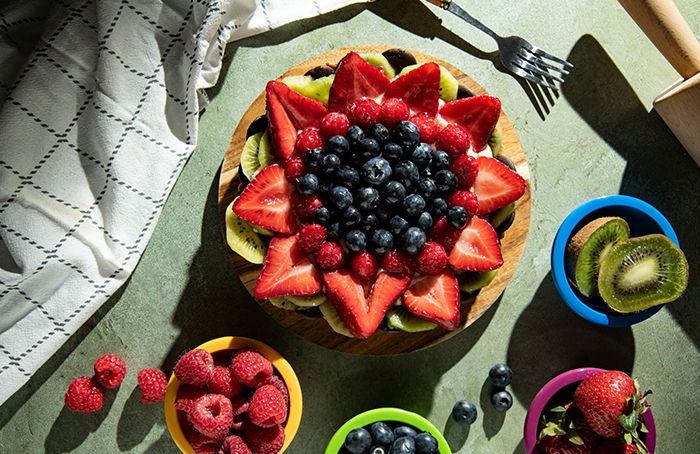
(435, 298)
(266, 201)
(496, 185)
(363, 308)
(477, 248)
(420, 89)
(288, 113)
(478, 114)
(355, 79)
(288, 270)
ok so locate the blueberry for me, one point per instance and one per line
(379, 132)
(313, 157)
(356, 240)
(350, 217)
(341, 197)
(464, 412)
(406, 134)
(439, 160)
(446, 181)
(413, 240)
(308, 184)
(427, 188)
(367, 149)
(425, 443)
(333, 230)
(421, 155)
(322, 215)
(425, 221)
(398, 225)
(384, 213)
(347, 176)
(338, 145)
(501, 375)
(330, 164)
(376, 171)
(457, 216)
(502, 400)
(406, 173)
(325, 185)
(404, 431)
(358, 441)
(392, 151)
(426, 173)
(355, 134)
(413, 205)
(381, 241)
(369, 222)
(378, 450)
(382, 434)
(393, 192)
(438, 207)
(367, 198)
(403, 445)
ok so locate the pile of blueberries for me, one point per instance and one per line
(381, 190)
(379, 438)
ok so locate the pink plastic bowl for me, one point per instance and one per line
(541, 402)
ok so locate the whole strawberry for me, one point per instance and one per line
(565, 431)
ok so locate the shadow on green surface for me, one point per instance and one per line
(492, 419)
(136, 420)
(455, 434)
(658, 171)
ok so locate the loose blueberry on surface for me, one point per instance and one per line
(394, 192)
(403, 445)
(406, 173)
(413, 240)
(313, 157)
(421, 155)
(338, 145)
(356, 240)
(376, 171)
(377, 450)
(406, 134)
(379, 132)
(427, 188)
(369, 222)
(348, 177)
(445, 181)
(355, 134)
(381, 241)
(392, 152)
(358, 441)
(322, 215)
(367, 148)
(425, 443)
(382, 434)
(457, 216)
(502, 400)
(501, 375)
(413, 205)
(351, 217)
(367, 198)
(307, 184)
(438, 207)
(341, 197)
(464, 412)
(404, 431)
(440, 160)
(398, 225)
(425, 221)
(330, 164)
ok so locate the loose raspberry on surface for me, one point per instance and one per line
(223, 382)
(465, 168)
(304, 206)
(334, 124)
(195, 367)
(153, 384)
(267, 407)
(330, 256)
(392, 111)
(466, 199)
(263, 440)
(234, 444)
(251, 368)
(432, 259)
(84, 395)
(308, 138)
(365, 265)
(364, 112)
(186, 395)
(398, 263)
(295, 167)
(454, 139)
(429, 127)
(312, 237)
(110, 370)
(277, 382)
(212, 415)
(203, 444)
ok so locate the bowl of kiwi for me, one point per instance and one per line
(616, 261)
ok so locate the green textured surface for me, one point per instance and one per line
(598, 138)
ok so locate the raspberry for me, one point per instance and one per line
(264, 440)
(364, 265)
(186, 395)
(465, 199)
(312, 237)
(393, 110)
(465, 169)
(223, 382)
(84, 395)
(308, 138)
(305, 205)
(294, 167)
(234, 445)
(212, 416)
(203, 444)
(195, 367)
(251, 368)
(110, 370)
(278, 383)
(364, 112)
(399, 263)
(444, 234)
(153, 384)
(267, 407)
(432, 259)
(429, 127)
(454, 139)
(334, 124)
(239, 407)
(330, 256)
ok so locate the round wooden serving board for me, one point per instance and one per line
(381, 343)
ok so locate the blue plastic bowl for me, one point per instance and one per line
(642, 218)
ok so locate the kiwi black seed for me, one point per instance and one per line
(399, 58)
(320, 71)
(638, 273)
(587, 246)
(464, 92)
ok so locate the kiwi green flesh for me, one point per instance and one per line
(307, 301)
(242, 239)
(265, 156)
(379, 61)
(332, 317)
(400, 318)
(282, 303)
(501, 215)
(472, 281)
(249, 156)
(587, 246)
(496, 139)
(638, 273)
(318, 89)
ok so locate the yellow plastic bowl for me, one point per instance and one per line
(236, 343)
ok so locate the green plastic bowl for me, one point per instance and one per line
(387, 414)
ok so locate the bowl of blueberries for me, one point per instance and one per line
(388, 430)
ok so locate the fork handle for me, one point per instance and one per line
(664, 25)
(444, 4)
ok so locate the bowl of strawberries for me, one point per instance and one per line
(590, 411)
(233, 394)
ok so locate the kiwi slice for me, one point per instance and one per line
(496, 140)
(265, 151)
(333, 318)
(638, 273)
(448, 83)
(499, 217)
(317, 89)
(307, 301)
(586, 248)
(471, 281)
(379, 61)
(263, 230)
(282, 303)
(408, 69)
(400, 318)
(249, 156)
(241, 237)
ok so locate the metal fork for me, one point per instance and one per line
(517, 55)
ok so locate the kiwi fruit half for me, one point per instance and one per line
(638, 273)
(241, 237)
(249, 156)
(400, 318)
(587, 246)
(333, 318)
(472, 281)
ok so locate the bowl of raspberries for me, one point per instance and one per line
(233, 395)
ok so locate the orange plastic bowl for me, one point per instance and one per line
(235, 343)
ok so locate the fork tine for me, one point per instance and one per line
(530, 67)
(537, 51)
(533, 58)
(522, 73)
